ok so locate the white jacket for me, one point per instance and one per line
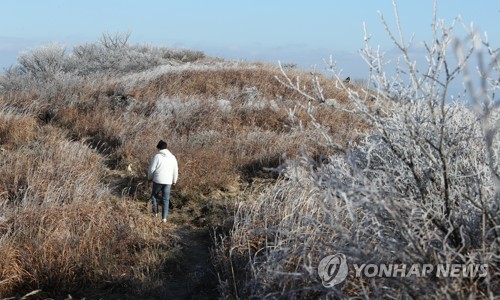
(163, 168)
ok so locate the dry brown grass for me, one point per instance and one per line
(78, 245)
(62, 224)
(16, 129)
(218, 131)
(230, 83)
(45, 171)
(61, 229)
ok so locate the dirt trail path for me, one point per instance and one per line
(189, 273)
(191, 277)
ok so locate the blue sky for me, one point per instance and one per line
(302, 32)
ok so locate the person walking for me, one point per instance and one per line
(163, 171)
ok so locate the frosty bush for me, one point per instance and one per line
(111, 55)
(42, 62)
(34, 69)
(95, 57)
(423, 187)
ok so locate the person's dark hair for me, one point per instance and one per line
(161, 145)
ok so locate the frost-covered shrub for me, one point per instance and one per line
(90, 58)
(368, 205)
(422, 187)
(113, 54)
(42, 62)
(35, 69)
(44, 66)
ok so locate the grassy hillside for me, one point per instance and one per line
(279, 168)
(77, 131)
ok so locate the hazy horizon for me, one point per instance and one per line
(293, 32)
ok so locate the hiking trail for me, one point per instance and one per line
(191, 277)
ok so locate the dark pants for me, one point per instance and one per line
(155, 195)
